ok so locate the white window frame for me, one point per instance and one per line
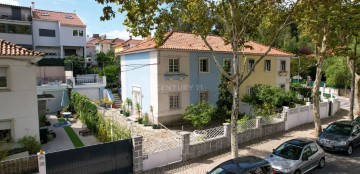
(249, 66)
(283, 68)
(208, 64)
(6, 75)
(249, 90)
(171, 70)
(267, 66)
(227, 59)
(78, 33)
(200, 96)
(171, 96)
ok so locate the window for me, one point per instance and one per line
(173, 65)
(282, 86)
(15, 29)
(251, 64)
(5, 131)
(307, 153)
(174, 101)
(3, 78)
(313, 148)
(227, 65)
(47, 33)
(78, 33)
(204, 96)
(204, 65)
(250, 90)
(283, 65)
(2, 28)
(267, 65)
(69, 17)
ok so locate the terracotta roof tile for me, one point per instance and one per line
(107, 41)
(10, 49)
(132, 41)
(64, 18)
(188, 41)
(118, 42)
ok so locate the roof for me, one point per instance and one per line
(118, 42)
(188, 41)
(10, 49)
(244, 163)
(132, 41)
(62, 17)
(299, 142)
(106, 41)
(14, 6)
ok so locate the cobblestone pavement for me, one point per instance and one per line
(336, 162)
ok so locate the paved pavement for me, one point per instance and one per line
(336, 162)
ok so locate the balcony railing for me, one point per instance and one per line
(50, 81)
(71, 81)
(9, 16)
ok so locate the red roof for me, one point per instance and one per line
(64, 18)
(132, 41)
(188, 41)
(10, 49)
(118, 42)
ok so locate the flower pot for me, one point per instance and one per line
(154, 126)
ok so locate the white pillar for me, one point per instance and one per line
(41, 162)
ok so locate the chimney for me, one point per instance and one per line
(32, 6)
(130, 37)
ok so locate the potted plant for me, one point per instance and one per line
(138, 109)
(122, 109)
(154, 126)
(145, 123)
(128, 103)
(139, 120)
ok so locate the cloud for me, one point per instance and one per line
(10, 2)
(122, 34)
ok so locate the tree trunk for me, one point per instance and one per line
(316, 96)
(234, 118)
(357, 95)
(352, 93)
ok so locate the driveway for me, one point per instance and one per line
(336, 162)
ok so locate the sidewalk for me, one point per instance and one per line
(260, 148)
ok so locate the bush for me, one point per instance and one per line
(96, 122)
(200, 114)
(140, 120)
(30, 143)
(3, 153)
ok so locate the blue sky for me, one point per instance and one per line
(89, 11)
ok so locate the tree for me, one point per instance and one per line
(77, 64)
(239, 19)
(320, 21)
(304, 68)
(337, 72)
(224, 102)
(200, 114)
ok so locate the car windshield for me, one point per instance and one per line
(339, 129)
(288, 151)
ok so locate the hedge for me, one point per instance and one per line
(96, 122)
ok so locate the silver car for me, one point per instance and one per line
(297, 156)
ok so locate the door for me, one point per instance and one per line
(136, 97)
(356, 135)
(309, 159)
(16, 13)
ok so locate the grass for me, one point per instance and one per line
(72, 135)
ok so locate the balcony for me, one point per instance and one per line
(9, 16)
(81, 81)
(177, 76)
(283, 73)
(70, 82)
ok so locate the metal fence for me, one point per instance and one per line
(20, 165)
(249, 124)
(150, 147)
(266, 120)
(202, 135)
(88, 80)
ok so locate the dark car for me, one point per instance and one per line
(357, 120)
(243, 165)
(340, 136)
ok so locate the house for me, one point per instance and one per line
(16, 25)
(58, 34)
(18, 96)
(181, 71)
(126, 45)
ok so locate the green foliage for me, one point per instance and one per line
(30, 143)
(42, 120)
(304, 69)
(96, 122)
(306, 92)
(200, 114)
(265, 99)
(128, 103)
(242, 127)
(337, 72)
(72, 135)
(77, 63)
(225, 98)
(3, 153)
(138, 109)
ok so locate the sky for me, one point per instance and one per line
(88, 10)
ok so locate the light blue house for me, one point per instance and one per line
(178, 73)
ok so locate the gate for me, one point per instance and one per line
(113, 157)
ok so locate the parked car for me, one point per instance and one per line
(243, 165)
(297, 156)
(340, 136)
(357, 119)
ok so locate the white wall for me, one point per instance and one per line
(17, 38)
(91, 93)
(162, 158)
(165, 87)
(19, 103)
(283, 79)
(46, 41)
(67, 38)
(154, 82)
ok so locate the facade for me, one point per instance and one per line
(58, 34)
(16, 25)
(182, 71)
(18, 90)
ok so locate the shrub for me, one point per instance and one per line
(139, 120)
(30, 143)
(200, 114)
(3, 153)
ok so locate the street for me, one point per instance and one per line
(335, 162)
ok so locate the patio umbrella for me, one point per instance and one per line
(65, 99)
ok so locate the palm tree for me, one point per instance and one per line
(138, 109)
(128, 103)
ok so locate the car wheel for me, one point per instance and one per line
(349, 150)
(297, 171)
(321, 163)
